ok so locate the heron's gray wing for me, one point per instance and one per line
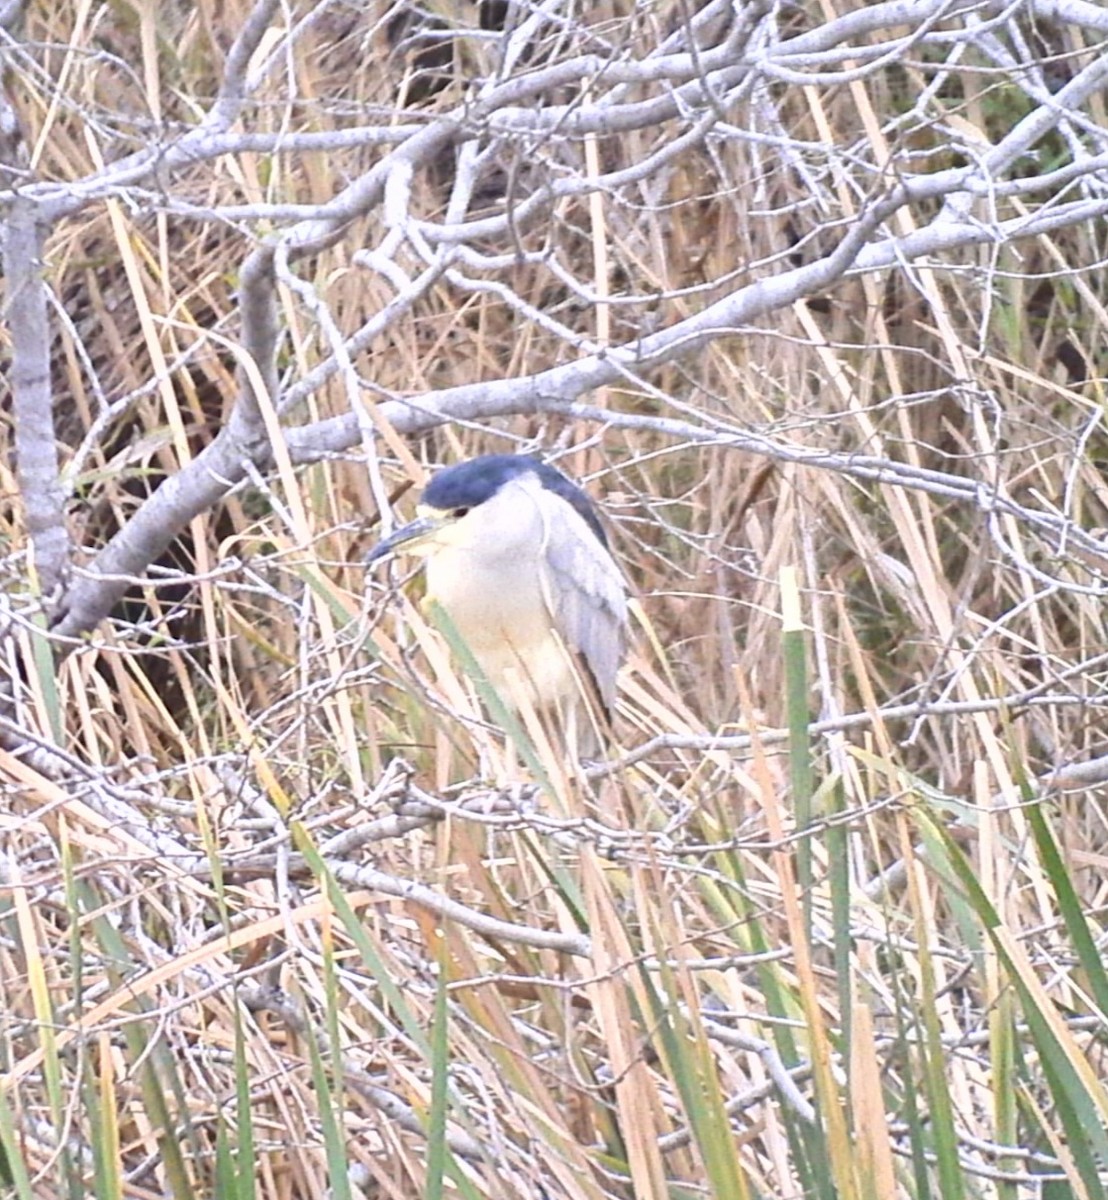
(586, 595)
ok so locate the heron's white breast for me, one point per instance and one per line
(498, 608)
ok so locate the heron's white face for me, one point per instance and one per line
(508, 525)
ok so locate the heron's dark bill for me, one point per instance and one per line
(406, 536)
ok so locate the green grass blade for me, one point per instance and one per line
(437, 1150)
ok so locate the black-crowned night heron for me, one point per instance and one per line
(518, 561)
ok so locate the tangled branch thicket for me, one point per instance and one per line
(812, 295)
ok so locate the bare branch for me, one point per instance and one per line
(27, 316)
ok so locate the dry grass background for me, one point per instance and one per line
(358, 960)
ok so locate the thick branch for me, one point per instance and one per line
(36, 448)
(28, 323)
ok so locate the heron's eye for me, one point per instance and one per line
(458, 513)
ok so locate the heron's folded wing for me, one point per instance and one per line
(587, 597)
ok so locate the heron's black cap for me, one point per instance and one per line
(471, 483)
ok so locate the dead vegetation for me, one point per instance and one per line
(280, 916)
